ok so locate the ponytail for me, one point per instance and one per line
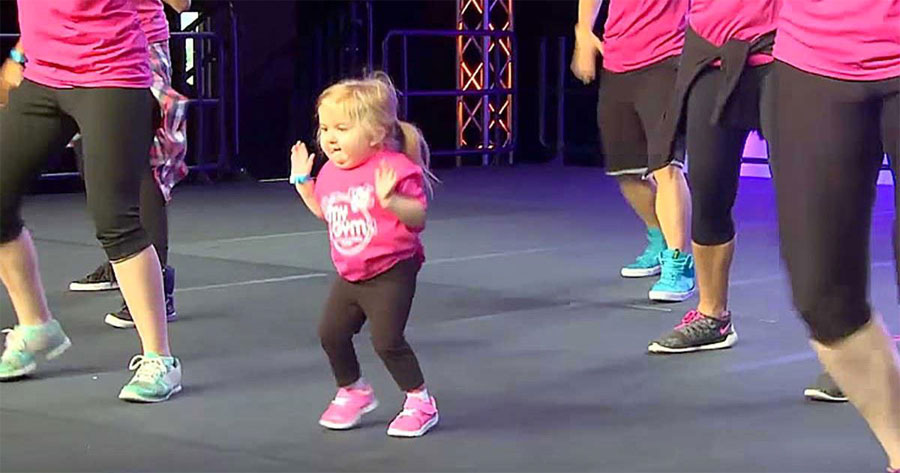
(413, 145)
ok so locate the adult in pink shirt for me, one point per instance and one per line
(87, 69)
(725, 63)
(167, 166)
(835, 111)
(641, 43)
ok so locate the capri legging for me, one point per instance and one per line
(715, 150)
(116, 126)
(827, 141)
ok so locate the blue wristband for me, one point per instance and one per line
(300, 179)
(17, 56)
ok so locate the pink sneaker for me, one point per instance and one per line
(417, 418)
(348, 407)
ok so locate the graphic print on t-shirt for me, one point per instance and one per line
(350, 222)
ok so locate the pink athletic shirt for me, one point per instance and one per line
(639, 33)
(367, 240)
(84, 43)
(153, 20)
(718, 21)
(842, 39)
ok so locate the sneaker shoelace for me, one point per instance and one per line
(689, 318)
(15, 342)
(671, 277)
(694, 323)
(148, 370)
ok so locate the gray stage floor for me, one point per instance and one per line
(531, 342)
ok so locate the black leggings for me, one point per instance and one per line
(117, 128)
(384, 301)
(715, 151)
(154, 216)
(828, 138)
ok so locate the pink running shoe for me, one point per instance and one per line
(417, 418)
(348, 407)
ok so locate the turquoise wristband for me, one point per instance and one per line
(17, 56)
(300, 179)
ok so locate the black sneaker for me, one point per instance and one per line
(696, 332)
(825, 390)
(122, 318)
(102, 279)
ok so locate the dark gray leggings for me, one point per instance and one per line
(116, 125)
(828, 139)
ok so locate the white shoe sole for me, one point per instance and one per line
(729, 342)
(116, 322)
(640, 273)
(818, 395)
(418, 433)
(666, 296)
(144, 400)
(31, 367)
(349, 425)
(99, 286)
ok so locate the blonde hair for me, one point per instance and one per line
(372, 103)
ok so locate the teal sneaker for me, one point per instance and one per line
(25, 343)
(156, 378)
(647, 264)
(676, 282)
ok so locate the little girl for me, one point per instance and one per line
(371, 192)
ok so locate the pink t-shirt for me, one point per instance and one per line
(842, 39)
(153, 20)
(367, 240)
(639, 33)
(84, 43)
(718, 21)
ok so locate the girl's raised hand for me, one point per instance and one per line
(301, 160)
(385, 180)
